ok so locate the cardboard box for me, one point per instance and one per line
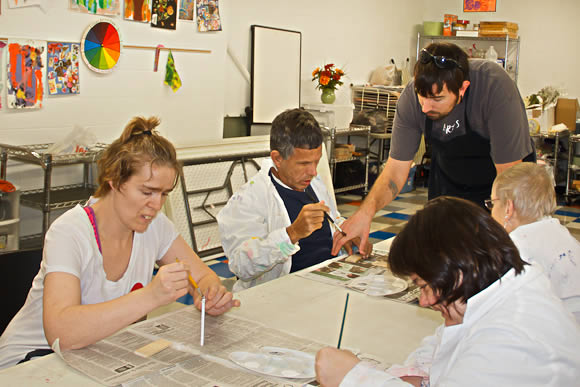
(448, 20)
(468, 33)
(541, 121)
(498, 29)
(566, 110)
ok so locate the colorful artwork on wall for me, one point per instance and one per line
(24, 3)
(164, 14)
(208, 16)
(138, 10)
(187, 9)
(101, 46)
(62, 70)
(479, 5)
(97, 7)
(26, 73)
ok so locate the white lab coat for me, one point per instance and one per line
(551, 245)
(253, 233)
(514, 333)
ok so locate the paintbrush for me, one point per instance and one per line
(343, 318)
(314, 200)
(195, 286)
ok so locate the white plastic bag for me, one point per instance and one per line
(78, 140)
(383, 75)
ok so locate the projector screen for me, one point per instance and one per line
(276, 58)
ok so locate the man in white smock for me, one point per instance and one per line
(275, 223)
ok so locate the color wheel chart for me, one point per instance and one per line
(101, 46)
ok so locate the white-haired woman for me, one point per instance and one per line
(523, 201)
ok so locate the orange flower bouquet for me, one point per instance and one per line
(328, 77)
(328, 80)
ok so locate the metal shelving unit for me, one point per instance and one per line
(553, 157)
(508, 47)
(51, 197)
(354, 130)
(572, 169)
(373, 101)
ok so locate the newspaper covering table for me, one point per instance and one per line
(344, 271)
(113, 361)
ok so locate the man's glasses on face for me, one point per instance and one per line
(440, 61)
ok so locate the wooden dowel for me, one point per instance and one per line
(168, 48)
(134, 46)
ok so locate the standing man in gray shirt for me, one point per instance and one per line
(474, 120)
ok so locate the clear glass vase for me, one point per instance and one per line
(328, 96)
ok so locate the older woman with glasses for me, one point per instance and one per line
(523, 201)
(503, 324)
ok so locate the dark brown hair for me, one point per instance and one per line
(139, 144)
(294, 128)
(428, 74)
(456, 247)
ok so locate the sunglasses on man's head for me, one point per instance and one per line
(440, 61)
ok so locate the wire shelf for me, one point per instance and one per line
(37, 153)
(61, 197)
(349, 188)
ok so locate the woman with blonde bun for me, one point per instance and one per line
(96, 275)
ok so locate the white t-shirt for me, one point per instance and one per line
(70, 247)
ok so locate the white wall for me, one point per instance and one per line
(108, 101)
(358, 35)
(550, 53)
(192, 114)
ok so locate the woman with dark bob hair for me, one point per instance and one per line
(503, 324)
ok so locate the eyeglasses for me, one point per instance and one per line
(440, 61)
(489, 203)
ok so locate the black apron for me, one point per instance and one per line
(462, 166)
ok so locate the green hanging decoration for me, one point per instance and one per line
(171, 77)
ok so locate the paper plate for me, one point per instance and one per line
(379, 285)
(280, 362)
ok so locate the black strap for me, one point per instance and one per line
(36, 353)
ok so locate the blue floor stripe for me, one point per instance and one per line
(381, 235)
(568, 213)
(222, 270)
(396, 215)
(187, 299)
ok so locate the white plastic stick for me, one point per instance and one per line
(202, 320)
